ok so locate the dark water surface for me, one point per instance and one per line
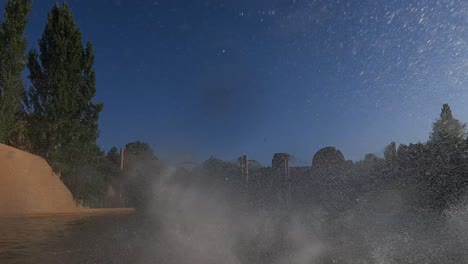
(76, 239)
(190, 240)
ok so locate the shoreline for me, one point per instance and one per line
(78, 212)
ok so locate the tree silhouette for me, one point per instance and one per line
(64, 118)
(13, 44)
(447, 130)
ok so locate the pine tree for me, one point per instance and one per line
(64, 117)
(447, 129)
(13, 45)
(446, 178)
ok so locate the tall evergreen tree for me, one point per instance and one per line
(64, 117)
(446, 177)
(447, 129)
(13, 45)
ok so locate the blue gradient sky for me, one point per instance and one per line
(224, 78)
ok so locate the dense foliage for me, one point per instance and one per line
(13, 45)
(57, 119)
(432, 176)
(63, 116)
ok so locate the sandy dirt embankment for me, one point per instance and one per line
(29, 187)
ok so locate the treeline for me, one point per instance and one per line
(427, 177)
(434, 172)
(55, 116)
(405, 207)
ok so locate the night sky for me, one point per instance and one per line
(226, 78)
